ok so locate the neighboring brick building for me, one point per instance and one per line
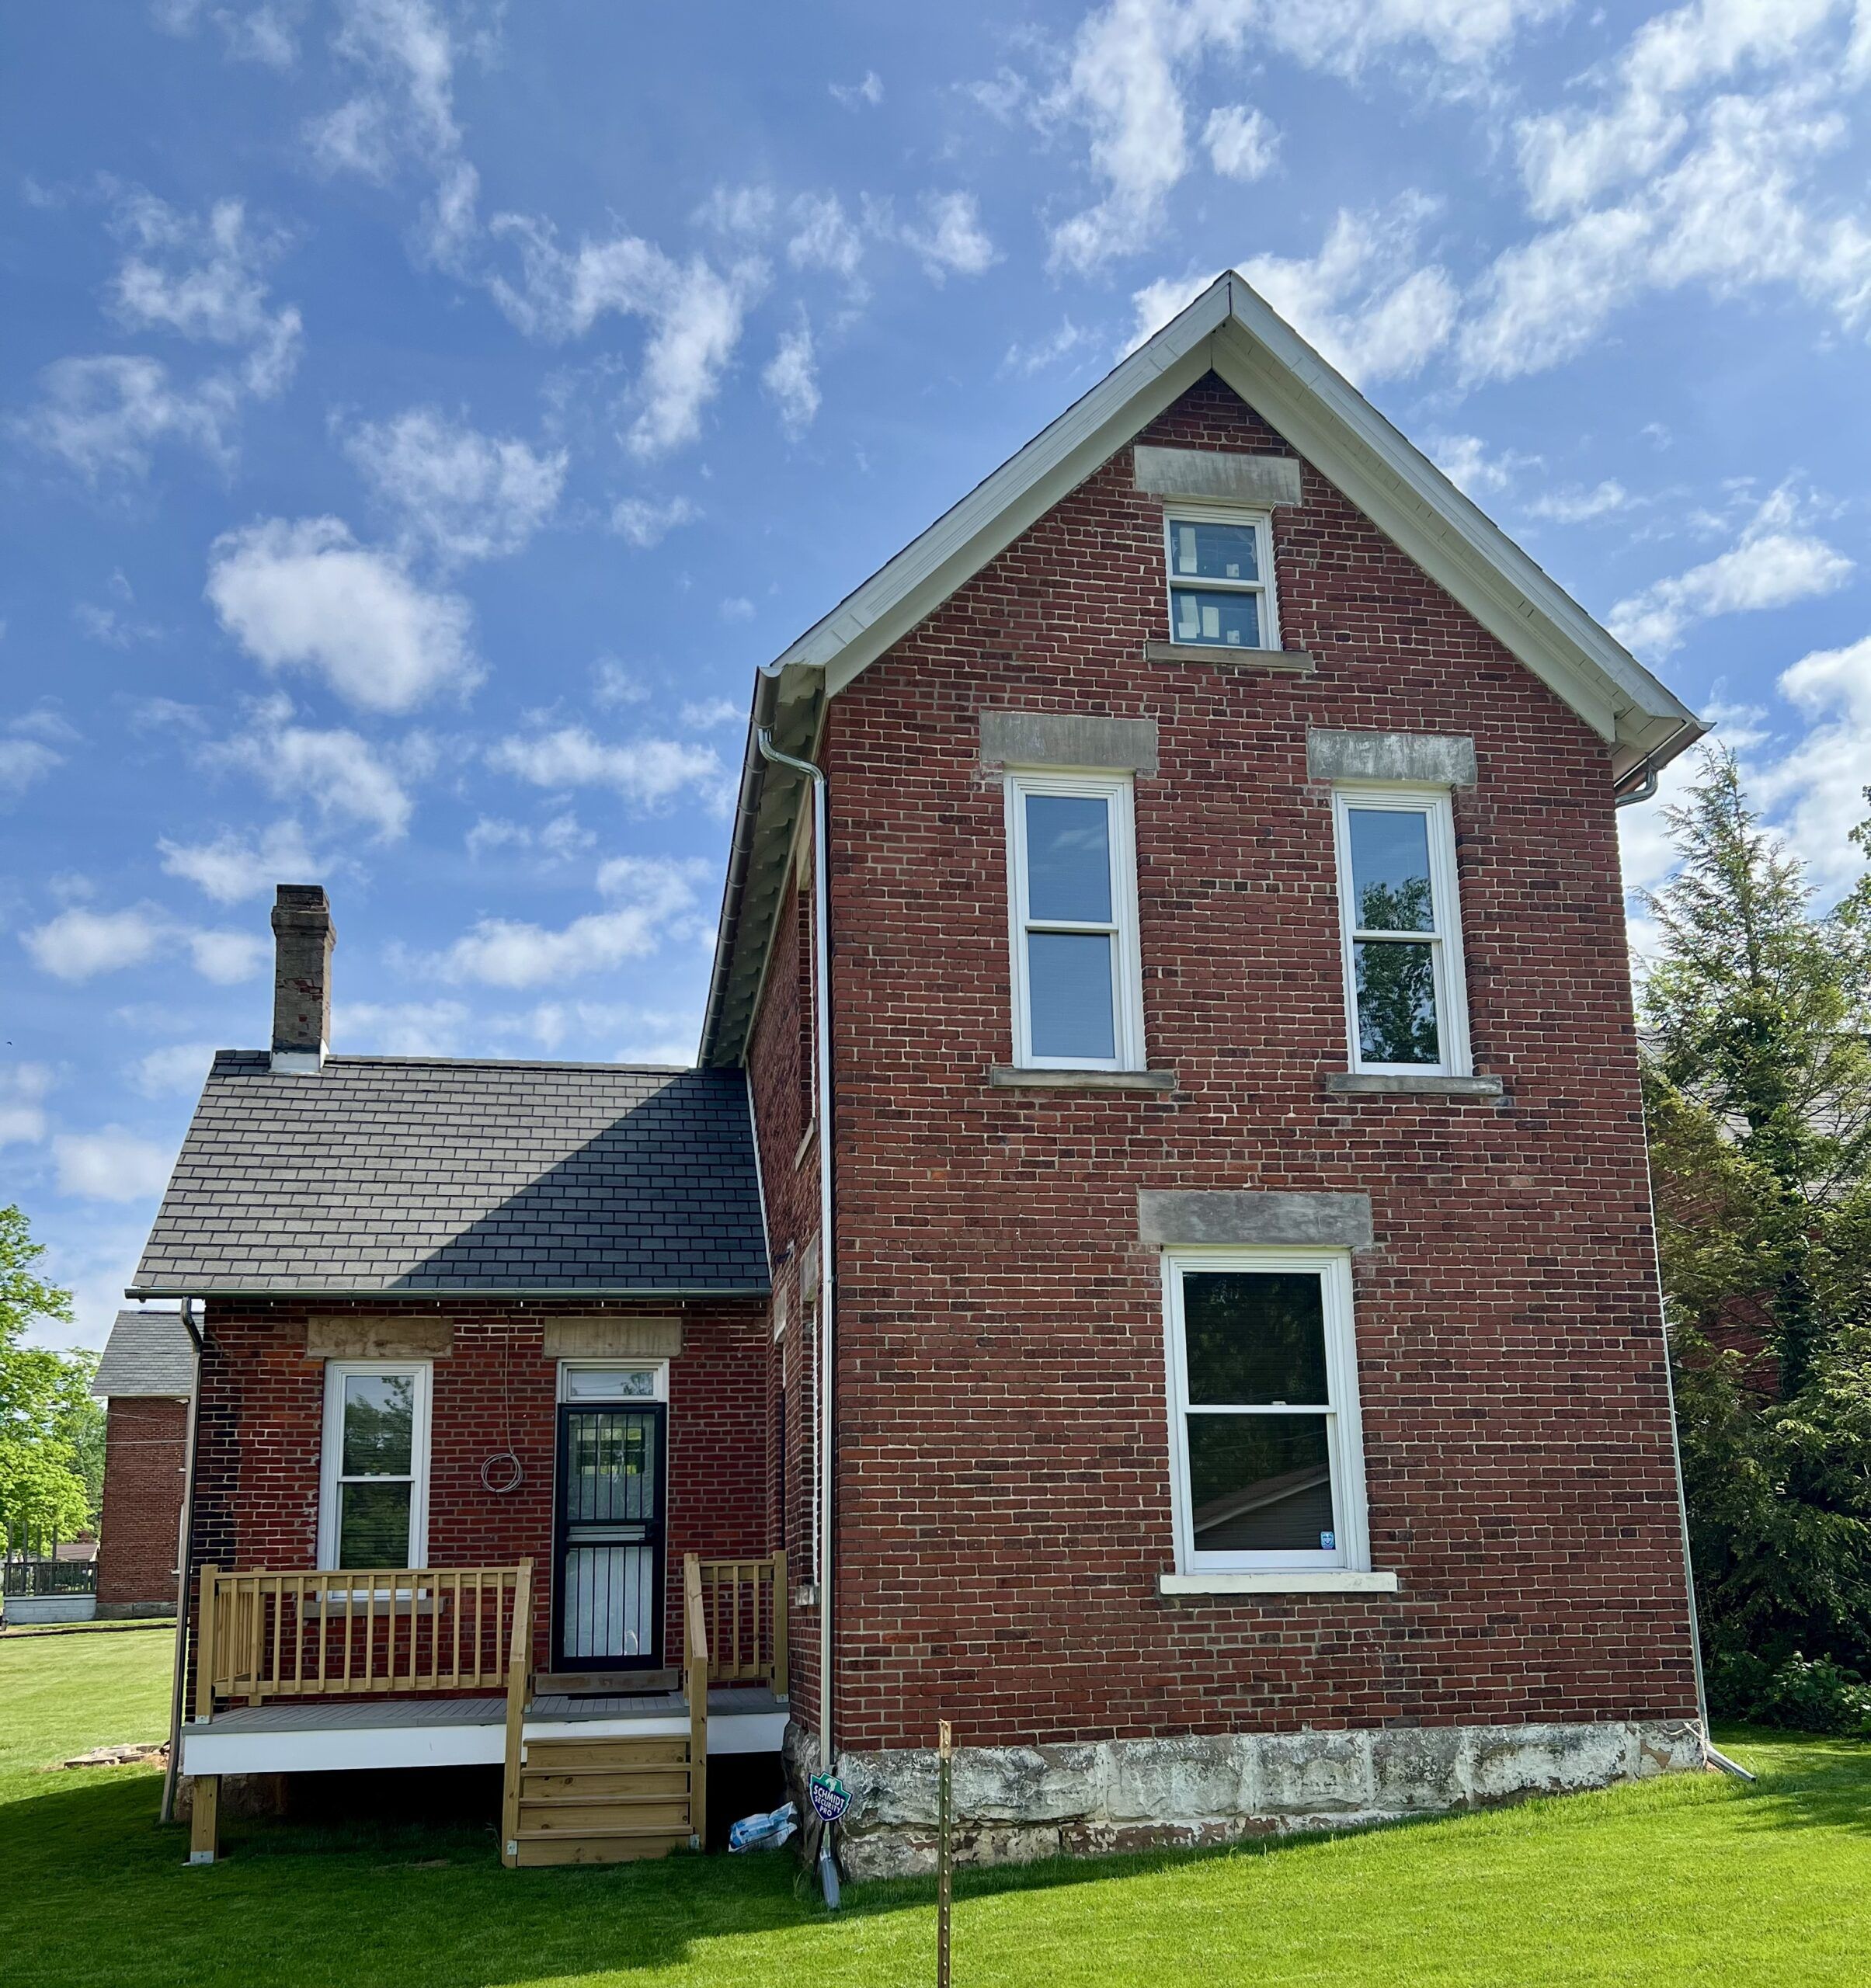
(1206, 1341)
(146, 1378)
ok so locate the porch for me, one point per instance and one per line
(329, 1670)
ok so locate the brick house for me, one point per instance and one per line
(1154, 1265)
(147, 1379)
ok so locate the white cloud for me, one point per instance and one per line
(1736, 211)
(711, 712)
(200, 277)
(78, 944)
(266, 33)
(405, 54)
(1773, 564)
(1815, 789)
(110, 1165)
(23, 762)
(791, 379)
(306, 595)
(1027, 359)
(557, 840)
(465, 495)
(645, 523)
(22, 1090)
(823, 236)
(179, 1068)
(613, 685)
(234, 865)
(950, 240)
(694, 311)
(870, 91)
(1466, 460)
(404, 1028)
(745, 210)
(736, 607)
(342, 775)
(1576, 507)
(654, 901)
(646, 771)
(1243, 143)
(1129, 63)
(196, 278)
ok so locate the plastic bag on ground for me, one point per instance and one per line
(764, 1832)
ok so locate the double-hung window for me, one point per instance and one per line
(374, 1479)
(1221, 578)
(1400, 929)
(1077, 977)
(1263, 1427)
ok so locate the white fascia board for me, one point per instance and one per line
(319, 1750)
(1391, 480)
(994, 514)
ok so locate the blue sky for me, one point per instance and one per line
(419, 420)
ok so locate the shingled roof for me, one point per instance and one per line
(149, 1353)
(381, 1175)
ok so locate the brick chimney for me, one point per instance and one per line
(303, 939)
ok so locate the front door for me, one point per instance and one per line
(611, 1472)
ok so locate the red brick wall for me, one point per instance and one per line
(262, 1417)
(1003, 1505)
(145, 1447)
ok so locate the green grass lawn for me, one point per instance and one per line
(1699, 1879)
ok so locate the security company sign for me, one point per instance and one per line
(830, 1798)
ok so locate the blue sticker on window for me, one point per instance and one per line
(1328, 1542)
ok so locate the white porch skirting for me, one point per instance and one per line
(337, 1736)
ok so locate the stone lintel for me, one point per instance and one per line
(1068, 738)
(607, 1336)
(1184, 1217)
(1423, 759)
(1217, 476)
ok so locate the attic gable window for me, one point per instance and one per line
(1220, 578)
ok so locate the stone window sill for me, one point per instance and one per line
(1358, 1084)
(1298, 662)
(1320, 1580)
(1002, 1077)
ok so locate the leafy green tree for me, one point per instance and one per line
(1758, 1097)
(50, 1425)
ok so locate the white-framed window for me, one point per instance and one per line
(1400, 928)
(1221, 577)
(1266, 1462)
(614, 1380)
(373, 1474)
(1078, 977)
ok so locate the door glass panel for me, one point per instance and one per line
(379, 1424)
(1390, 887)
(609, 1383)
(1068, 859)
(1396, 1002)
(610, 1466)
(1259, 1483)
(1069, 986)
(1255, 1336)
(610, 1595)
(373, 1525)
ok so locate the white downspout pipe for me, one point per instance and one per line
(822, 1051)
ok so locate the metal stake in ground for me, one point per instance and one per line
(943, 1859)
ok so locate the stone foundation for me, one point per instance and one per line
(1013, 1804)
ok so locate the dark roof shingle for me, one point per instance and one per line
(381, 1175)
(149, 1353)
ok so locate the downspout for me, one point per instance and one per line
(822, 1048)
(186, 1532)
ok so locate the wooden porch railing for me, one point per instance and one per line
(695, 1655)
(331, 1633)
(744, 1604)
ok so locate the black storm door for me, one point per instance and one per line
(611, 1478)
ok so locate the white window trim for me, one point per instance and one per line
(331, 1454)
(1117, 790)
(1344, 1438)
(658, 1369)
(1224, 514)
(1449, 979)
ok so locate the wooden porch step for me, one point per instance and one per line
(620, 1755)
(566, 1817)
(596, 1847)
(621, 1784)
(605, 1684)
